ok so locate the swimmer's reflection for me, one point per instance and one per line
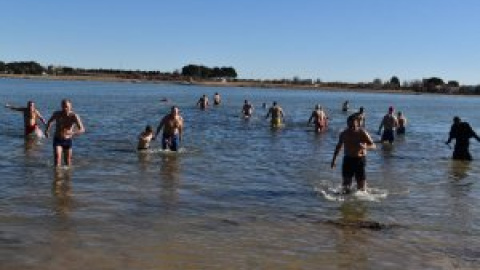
(62, 191)
(170, 177)
(459, 169)
(144, 158)
(352, 240)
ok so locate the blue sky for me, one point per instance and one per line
(344, 40)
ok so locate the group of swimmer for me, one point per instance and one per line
(354, 138)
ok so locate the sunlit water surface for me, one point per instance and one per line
(239, 195)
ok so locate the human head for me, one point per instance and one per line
(66, 105)
(318, 107)
(399, 113)
(456, 119)
(352, 121)
(391, 109)
(174, 110)
(148, 129)
(30, 104)
(246, 101)
(274, 103)
(361, 109)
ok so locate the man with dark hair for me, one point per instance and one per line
(461, 132)
(356, 141)
(277, 115)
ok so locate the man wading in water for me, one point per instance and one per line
(461, 132)
(356, 141)
(172, 125)
(30, 116)
(65, 121)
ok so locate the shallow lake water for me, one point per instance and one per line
(239, 195)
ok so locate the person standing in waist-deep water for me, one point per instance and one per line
(402, 123)
(319, 118)
(247, 109)
(203, 102)
(217, 99)
(345, 106)
(355, 141)
(389, 124)
(65, 122)
(172, 125)
(30, 117)
(361, 117)
(144, 138)
(276, 112)
(461, 132)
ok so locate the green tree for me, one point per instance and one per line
(395, 82)
(453, 83)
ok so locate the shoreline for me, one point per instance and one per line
(315, 87)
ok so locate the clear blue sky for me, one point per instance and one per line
(344, 40)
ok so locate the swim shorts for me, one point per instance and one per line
(170, 141)
(388, 135)
(30, 129)
(64, 143)
(276, 122)
(400, 130)
(353, 166)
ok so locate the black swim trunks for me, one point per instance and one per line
(64, 143)
(353, 166)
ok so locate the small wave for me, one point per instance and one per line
(337, 194)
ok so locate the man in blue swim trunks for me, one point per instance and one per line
(65, 121)
(172, 125)
(389, 124)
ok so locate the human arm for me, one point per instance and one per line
(41, 118)
(13, 108)
(380, 127)
(49, 124)
(338, 147)
(80, 126)
(160, 126)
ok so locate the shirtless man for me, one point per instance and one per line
(216, 99)
(277, 115)
(356, 141)
(361, 117)
(172, 125)
(247, 109)
(65, 121)
(319, 117)
(389, 124)
(402, 122)
(30, 117)
(203, 102)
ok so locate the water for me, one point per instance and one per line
(240, 196)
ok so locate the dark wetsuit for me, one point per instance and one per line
(462, 132)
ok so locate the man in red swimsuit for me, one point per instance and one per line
(30, 116)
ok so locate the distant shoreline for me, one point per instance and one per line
(253, 84)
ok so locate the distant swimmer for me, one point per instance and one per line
(356, 142)
(276, 112)
(172, 125)
(203, 102)
(217, 99)
(30, 117)
(361, 117)
(389, 124)
(345, 106)
(164, 99)
(247, 109)
(264, 105)
(145, 138)
(319, 118)
(461, 132)
(402, 123)
(65, 122)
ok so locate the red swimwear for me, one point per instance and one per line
(30, 129)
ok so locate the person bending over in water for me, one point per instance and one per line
(320, 119)
(65, 121)
(277, 115)
(144, 138)
(216, 99)
(356, 141)
(247, 109)
(203, 102)
(389, 124)
(172, 125)
(461, 132)
(402, 123)
(30, 117)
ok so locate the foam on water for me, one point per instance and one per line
(337, 194)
